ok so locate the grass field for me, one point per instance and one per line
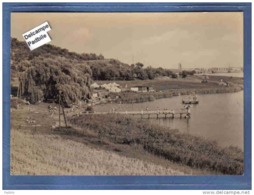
(38, 150)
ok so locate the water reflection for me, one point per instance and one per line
(172, 123)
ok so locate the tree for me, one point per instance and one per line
(184, 74)
(150, 72)
(47, 79)
(96, 72)
(139, 65)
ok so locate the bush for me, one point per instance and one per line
(89, 109)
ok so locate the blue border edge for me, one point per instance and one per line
(127, 182)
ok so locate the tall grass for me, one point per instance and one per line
(170, 144)
(48, 154)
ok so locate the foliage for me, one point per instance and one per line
(47, 78)
(169, 144)
(20, 52)
(185, 73)
(89, 109)
(102, 69)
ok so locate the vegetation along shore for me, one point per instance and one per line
(162, 142)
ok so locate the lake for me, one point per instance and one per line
(217, 117)
(231, 74)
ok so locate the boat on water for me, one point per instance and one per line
(192, 99)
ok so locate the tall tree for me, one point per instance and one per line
(49, 78)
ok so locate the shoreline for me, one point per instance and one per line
(138, 97)
(180, 148)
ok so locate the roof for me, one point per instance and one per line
(95, 85)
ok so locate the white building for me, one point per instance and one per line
(112, 87)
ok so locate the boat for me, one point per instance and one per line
(192, 99)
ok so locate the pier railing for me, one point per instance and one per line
(152, 113)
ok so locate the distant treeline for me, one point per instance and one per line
(115, 70)
(102, 69)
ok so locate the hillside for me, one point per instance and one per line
(21, 52)
(102, 69)
(21, 58)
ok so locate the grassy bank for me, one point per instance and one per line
(38, 150)
(168, 144)
(135, 97)
(47, 154)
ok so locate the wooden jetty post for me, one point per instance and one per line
(149, 114)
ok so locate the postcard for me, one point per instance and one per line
(129, 94)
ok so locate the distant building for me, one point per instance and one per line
(218, 70)
(199, 70)
(142, 89)
(223, 83)
(95, 86)
(112, 87)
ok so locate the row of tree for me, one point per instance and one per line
(115, 70)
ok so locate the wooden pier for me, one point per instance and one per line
(152, 114)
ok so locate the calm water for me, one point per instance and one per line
(217, 117)
(232, 74)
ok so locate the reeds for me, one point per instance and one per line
(48, 154)
(169, 144)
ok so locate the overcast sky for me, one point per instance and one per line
(156, 39)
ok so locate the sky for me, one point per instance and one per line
(197, 39)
